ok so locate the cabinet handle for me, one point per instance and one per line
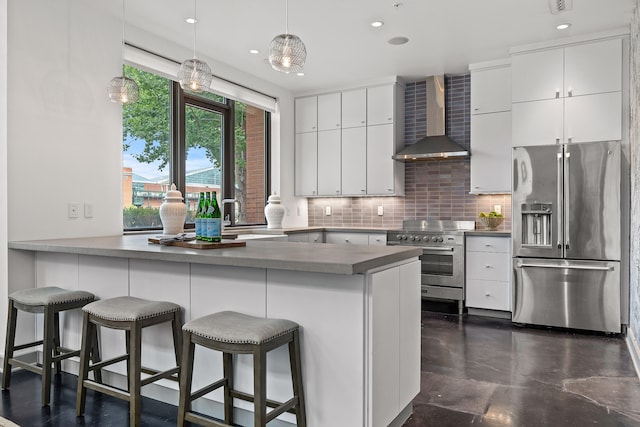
(488, 245)
(390, 190)
(313, 127)
(313, 191)
(487, 266)
(346, 240)
(390, 118)
(475, 109)
(569, 140)
(570, 92)
(487, 294)
(557, 140)
(363, 191)
(362, 121)
(337, 191)
(557, 93)
(337, 125)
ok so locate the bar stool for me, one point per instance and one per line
(236, 333)
(50, 301)
(131, 315)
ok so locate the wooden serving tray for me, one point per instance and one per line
(199, 244)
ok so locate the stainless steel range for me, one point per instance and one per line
(442, 259)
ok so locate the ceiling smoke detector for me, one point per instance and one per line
(559, 6)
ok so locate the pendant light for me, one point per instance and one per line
(194, 75)
(287, 52)
(122, 89)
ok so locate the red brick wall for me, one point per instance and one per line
(255, 174)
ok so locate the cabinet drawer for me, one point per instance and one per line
(348, 238)
(488, 266)
(378, 239)
(488, 244)
(488, 295)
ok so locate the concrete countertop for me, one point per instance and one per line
(496, 233)
(306, 229)
(310, 257)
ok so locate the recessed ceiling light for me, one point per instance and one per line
(300, 74)
(563, 26)
(254, 51)
(398, 40)
(377, 24)
(191, 20)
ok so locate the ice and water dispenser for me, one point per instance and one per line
(536, 224)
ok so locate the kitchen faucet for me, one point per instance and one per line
(226, 221)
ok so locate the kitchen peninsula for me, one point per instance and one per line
(359, 311)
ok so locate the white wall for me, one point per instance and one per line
(3, 161)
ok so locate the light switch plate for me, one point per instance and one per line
(327, 210)
(380, 211)
(88, 210)
(73, 210)
(497, 209)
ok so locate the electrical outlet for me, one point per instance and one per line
(497, 209)
(327, 210)
(73, 210)
(88, 210)
(380, 211)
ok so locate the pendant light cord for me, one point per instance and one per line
(286, 16)
(123, 39)
(195, 22)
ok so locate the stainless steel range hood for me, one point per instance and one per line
(436, 145)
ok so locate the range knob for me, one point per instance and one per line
(398, 236)
(434, 239)
(403, 237)
(425, 239)
(440, 239)
(414, 238)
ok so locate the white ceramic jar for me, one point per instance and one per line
(173, 212)
(274, 212)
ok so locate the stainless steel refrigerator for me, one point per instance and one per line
(566, 235)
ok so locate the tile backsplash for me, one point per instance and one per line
(437, 190)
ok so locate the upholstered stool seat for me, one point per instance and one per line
(50, 301)
(235, 333)
(131, 315)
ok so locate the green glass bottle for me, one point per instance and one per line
(199, 213)
(206, 223)
(216, 219)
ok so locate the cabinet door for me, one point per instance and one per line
(537, 122)
(537, 75)
(491, 153)
(329, 163)
(354, 108)
(306, 166)
(380, 104)
(593, 68)
(377, 239)
(306, 111)
(299, 237)
(354, 161)
(329, 114)
(488, 295)
(491, 90)
(488, 266)
(380, 165)
(593, 117)
(348, 238)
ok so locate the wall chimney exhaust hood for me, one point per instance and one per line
(436, 145)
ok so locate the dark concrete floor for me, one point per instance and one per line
(488, 372)
(475, 372)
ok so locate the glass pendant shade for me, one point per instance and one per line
(123, 90)
(287, 53)
(194, 75)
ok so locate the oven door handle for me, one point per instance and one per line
(436, 249)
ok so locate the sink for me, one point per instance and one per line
(252, 236)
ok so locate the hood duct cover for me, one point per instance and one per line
(436, 145)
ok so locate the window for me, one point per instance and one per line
(200, 142)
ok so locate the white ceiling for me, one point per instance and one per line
(342, 48)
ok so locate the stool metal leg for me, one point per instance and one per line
(88, 330)
(186, 377)
(296, 378)
(227, 368)
(48, 342)
(10, 342)
(135, 370)
(56, 340)
(260, 387)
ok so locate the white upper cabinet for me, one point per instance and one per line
(354, 164)
(329, 112)
(306, 111)
(329, 156)
(537, 75)
(354, 108)
(491, 90)
(537, 123)
(593, 118)
(491, 153)
(380, 165)
(380, 105)
(592, 68)
(306, 167)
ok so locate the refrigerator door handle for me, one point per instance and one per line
(559, 199)
(567, 200)
(570, 267)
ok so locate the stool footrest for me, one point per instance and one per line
(103, 388)
(66, 354)
(249, 398)
(28, 345)
(285, 407)
(168, 374)
(100, 365)
(203, 421)
(31, 367)
(208, 389)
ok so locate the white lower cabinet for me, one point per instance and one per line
(356, 238)
(488, 275)
(310, 237)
